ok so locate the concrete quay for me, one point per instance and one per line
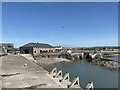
(18, 72)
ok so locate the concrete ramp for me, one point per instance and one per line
(94, 55)
(89, 86)
(66, 77)
(27, 56)
(59, 73)
(54, 72)
(75, 83)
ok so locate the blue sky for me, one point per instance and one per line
(68, 24)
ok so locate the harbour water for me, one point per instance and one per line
(101, 77)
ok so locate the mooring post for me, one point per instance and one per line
(89, 86)
(74, 82)
(54, 72)
(82, 55)
(65, 77)
(59, 73)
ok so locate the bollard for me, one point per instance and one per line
(59, 73)
(65, 77)
(89, 86)
(25, 65)
(54, 72)
(74, 82)
(82, 55)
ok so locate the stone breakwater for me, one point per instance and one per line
(112, 65)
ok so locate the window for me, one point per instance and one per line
(40, 51)
(9, 46)
(26, 51)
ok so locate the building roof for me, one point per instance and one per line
(41, 45)
(6, 44)
(58, 47)
(15, 49)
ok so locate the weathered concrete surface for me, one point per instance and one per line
(27, 56)
(18, 72)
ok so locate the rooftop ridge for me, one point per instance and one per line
(43, 45)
